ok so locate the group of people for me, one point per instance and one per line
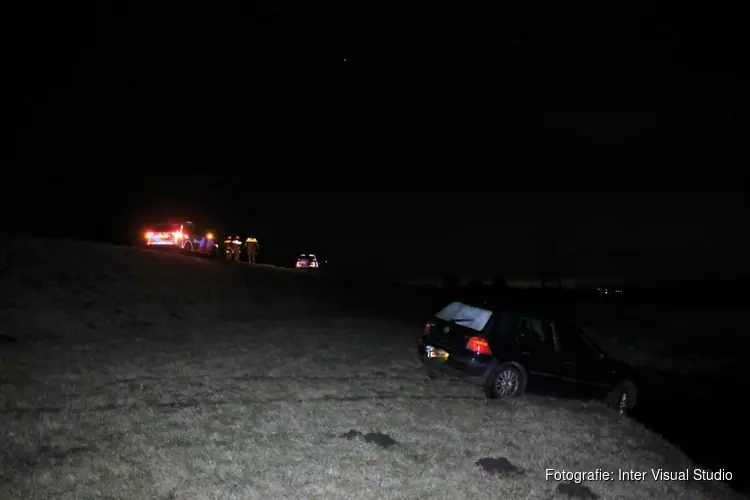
(234, 247)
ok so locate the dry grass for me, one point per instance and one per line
(248, 404)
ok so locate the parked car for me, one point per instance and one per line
(308, 261)
(503, 350)
(185, 236)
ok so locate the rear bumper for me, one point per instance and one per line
(463, 368)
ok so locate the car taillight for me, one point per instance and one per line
(427, 328)
(478, 345)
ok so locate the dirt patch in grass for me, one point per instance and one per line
(380, 439)
(499, 466)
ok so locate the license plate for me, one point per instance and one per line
(435, 353)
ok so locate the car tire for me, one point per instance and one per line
(507, 381)
(627, 389)
(187, 248)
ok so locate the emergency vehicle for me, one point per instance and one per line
(182, 235)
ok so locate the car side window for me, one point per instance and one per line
(574, 345)
(538, 330)
(531, 332)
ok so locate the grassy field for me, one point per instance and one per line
(129, 374)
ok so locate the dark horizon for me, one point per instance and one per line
(414, 234)
(619, 144)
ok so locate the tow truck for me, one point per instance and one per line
(185, 236)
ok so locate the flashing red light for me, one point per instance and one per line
(427, 328)
(149, 235)
(478, 345)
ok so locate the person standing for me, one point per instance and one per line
(252, 246)
(236, 248)
(228, 247)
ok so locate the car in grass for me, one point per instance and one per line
(308, 261)
(503, 350)
(185, 236)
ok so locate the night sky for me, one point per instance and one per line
(447, 142)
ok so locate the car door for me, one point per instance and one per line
(535, 349)
(575, 362)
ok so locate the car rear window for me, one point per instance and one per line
(472, 317)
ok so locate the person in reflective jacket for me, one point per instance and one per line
(233, 245)
(251, 246)
(236, 248)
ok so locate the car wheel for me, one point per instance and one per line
(188, 248)
(623, 397)
(507, 381)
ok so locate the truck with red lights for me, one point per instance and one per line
(185, 236)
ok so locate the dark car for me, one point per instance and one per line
(503, 350)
